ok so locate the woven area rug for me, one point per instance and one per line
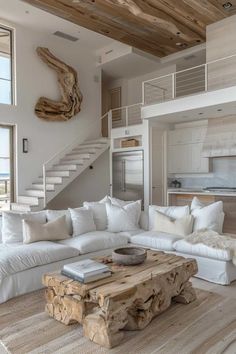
(195, 328)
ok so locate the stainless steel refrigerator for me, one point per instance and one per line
(127, 175)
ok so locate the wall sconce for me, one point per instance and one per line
(25, 145)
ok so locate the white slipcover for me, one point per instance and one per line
(96, 241)
(17, 257)
(200, 249)
(155, 239)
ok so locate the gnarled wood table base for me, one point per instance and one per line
(128, 300)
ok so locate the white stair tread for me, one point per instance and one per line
(40, 186)
(57, 173)
(64, 167)
(61, 173)
(80, 156)
(53, 179)
(66, 161)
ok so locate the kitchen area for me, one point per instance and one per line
(202, 162)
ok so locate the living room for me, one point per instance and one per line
(117, 176)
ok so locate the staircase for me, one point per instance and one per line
(59, 172)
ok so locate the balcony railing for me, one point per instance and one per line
(122, 117)
(214, 75)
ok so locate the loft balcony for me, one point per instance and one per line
(208, 89)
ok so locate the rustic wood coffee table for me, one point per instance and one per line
(128, 300)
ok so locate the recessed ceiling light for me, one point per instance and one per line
(227, 5)
(179, 44)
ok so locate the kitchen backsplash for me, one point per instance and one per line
(223, 175)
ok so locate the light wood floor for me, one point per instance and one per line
(206, 326)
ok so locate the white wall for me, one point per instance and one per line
(134, 87)
(91, 185)
(131, 89)
(35, 79)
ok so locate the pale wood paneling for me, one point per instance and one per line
(152, 26)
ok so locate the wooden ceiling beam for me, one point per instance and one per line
(159, 27)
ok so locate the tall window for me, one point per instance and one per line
(6, 166)
(6, 87)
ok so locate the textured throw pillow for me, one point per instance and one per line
(54, 214)
(12, 224)
(181, 227)
(82, 221)
(99, 214)
(123, 218)
(34, 231)
(209, 217)
(174, 212)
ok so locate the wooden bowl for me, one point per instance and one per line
(129, 255)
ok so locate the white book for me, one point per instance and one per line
(85, 268)
(87, 279)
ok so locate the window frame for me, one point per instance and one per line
(11, 129)
(12, 66)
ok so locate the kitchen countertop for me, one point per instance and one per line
(200, 191)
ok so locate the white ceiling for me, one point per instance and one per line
(129, 66)
(18, 12)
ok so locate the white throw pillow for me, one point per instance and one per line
(55, 214)
(123, 218)
(99, 214)
(209, 217)
(104, 200)
(82, 221)
(34, 231)
(174, 212)
(181, 227)
(120, 202)
(12, 224)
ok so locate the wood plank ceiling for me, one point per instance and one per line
(159, 27)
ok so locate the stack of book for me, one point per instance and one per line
(86, 271)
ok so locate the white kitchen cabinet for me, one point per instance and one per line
(199, 164)
(185, 150)
(180, 158)
(180, 136)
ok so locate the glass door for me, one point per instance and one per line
(6, 167)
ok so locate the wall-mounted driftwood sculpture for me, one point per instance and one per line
(71, 96)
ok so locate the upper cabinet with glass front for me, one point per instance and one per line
(6, 75)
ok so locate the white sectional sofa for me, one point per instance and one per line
(22, 265)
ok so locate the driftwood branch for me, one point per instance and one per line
(71, 96)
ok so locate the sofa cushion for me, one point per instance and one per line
(54, 214)
(155, 239)
(99, 214)
(82, 221)
(209, 217)
(129, 234)
(123, 218)
(181, 227)
(96, 241)
(54, 230)
(202, 250)
(17, 257)
(12, 230)
(174, 212)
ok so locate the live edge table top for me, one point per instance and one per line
(128, 300)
